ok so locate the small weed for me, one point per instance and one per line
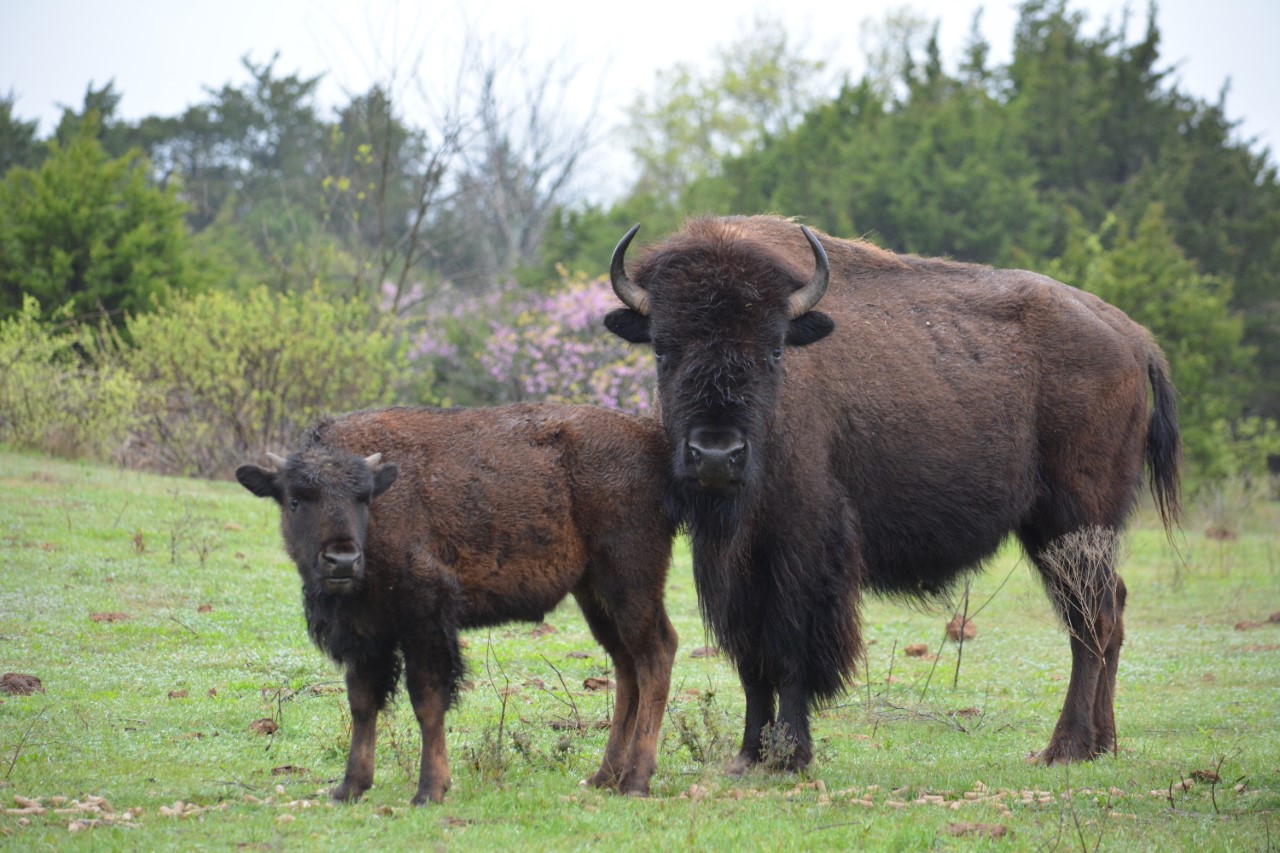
(704, 732)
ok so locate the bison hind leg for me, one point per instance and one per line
(1078, 570)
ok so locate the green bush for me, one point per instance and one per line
(227, 377)
(62, 390)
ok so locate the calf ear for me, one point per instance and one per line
(628, 325)
(383, 477)
(261, 481)
(809, 328)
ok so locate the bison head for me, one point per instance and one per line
(719, 309)
(324, 497)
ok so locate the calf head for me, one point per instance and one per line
(719, 311)
(324, 497)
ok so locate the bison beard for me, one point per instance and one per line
(925, 410)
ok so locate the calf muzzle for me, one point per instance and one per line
(340, 567)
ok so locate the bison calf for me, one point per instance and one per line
(408, 525)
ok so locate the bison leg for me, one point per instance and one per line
(654, 653)
(1089, 596)
(368, 685)
(642, 644)
(789, 747)
(760, 713)
(430, 691)
(625, 697)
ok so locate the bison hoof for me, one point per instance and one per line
(1061, 752)
(430, 796)
(601, 779)
(347, 792)
(631, 785)
(740, 765)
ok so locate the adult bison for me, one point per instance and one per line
(408, 525)
(924, 410)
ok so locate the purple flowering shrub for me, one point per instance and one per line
(554, 347)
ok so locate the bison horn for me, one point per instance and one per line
(803, 300)
(632, 295)
(373, 461)
(277, 461)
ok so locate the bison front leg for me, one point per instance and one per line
(368, 685)
(430, 691)
(760, 713)
(788, 746)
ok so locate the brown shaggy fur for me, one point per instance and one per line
(475, 517)
(923, 411)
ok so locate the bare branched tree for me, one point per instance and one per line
(518, 157)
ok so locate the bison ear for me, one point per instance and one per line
(809, 328)
(628, 325)
(383, 477)
(261, 481)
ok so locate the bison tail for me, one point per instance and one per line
(1164, 442)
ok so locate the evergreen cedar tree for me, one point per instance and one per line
(408, 525)
(842, 418)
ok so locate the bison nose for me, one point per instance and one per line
(716, 457)
(340, 564)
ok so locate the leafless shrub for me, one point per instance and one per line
(1079, 573)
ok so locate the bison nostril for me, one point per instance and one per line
(341, 563)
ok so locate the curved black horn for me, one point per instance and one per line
(803, 300)
(632, 295)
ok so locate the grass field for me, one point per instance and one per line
(165, 624)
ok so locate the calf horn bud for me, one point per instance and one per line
(278, 462)
(632, 295)
(803, 300)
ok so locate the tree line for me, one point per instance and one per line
(1079, 157)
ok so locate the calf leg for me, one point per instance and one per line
(369, 683)
(624, 700)
(654, 652)
(642, 645)
(430, 692)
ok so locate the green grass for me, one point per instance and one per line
(214, 610)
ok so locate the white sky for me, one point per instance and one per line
(162, 54)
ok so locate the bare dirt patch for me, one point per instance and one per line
(110, 617)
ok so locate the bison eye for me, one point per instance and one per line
(776, 355)
(293, 503)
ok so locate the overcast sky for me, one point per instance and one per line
(162, 54)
